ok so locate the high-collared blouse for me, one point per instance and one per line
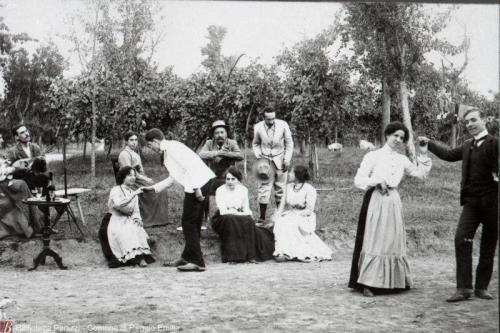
(236, 199)
(128, 157)
(385, 164)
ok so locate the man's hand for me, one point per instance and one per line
(423, 139)
(147, 189)
(198, 194)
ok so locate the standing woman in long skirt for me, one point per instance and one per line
(379, 259)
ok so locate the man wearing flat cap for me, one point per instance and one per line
(219, 153)
(272, 141)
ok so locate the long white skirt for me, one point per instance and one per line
(293, 243)
(126, 239)
(383, 262)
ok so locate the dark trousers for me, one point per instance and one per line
(475, 211)
(192, 216)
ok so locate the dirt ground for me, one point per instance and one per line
(265, 297)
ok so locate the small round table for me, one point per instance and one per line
(47, 230)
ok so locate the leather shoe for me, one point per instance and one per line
(458, 296)
(175, 263)
(482, 293)
(190, 267)
(368, 293)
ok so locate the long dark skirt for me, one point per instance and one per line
(113, 262)
(358, 244)
(241, 239)
(154, 208)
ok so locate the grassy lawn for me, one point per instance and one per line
(431, 208)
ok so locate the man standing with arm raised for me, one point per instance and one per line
(479, 198)
(273, 141)
(187, 168)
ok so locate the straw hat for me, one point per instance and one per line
(263, 168)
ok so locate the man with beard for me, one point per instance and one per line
(24, 152)
(219, 153)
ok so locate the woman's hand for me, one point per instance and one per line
(137, 192)
(382, 187)
(138, 222)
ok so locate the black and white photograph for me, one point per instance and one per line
(249, 166)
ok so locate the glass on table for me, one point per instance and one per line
(39, 191)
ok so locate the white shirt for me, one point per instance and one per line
(184, 166)
(27, 150)
(230, 201)
(480, 136)
(387, 165)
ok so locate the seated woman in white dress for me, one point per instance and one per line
(295, 222)
(153, 206)
(126, 236)
(241, 239)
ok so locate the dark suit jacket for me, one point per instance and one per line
(17, 152)
(210, 149)
(462, 154)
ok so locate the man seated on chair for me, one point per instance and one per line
(219, 153)
(24, 152)
(16, 218)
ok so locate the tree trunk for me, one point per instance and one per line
(386, 109)
(407, 119)
(92, 138)
(245, 140)
(454, 121)
(302, 146)
(85, 139)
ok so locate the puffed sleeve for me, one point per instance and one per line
(124, 159)
(364, 176)
(421, 169)
(120, 202)
(311, 196)
(220, 200)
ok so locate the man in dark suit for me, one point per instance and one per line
(479, 198)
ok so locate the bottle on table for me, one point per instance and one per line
(50, 188)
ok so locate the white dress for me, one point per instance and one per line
(127, 239)
(383, 262)
(294, 229)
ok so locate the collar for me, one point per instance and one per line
(386, 148)
(481, 135)
(129, 149)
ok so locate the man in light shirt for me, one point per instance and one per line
(479, 198)
(186, 168)
(273, 141)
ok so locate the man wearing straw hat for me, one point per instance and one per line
(273, 148)
(219, 153)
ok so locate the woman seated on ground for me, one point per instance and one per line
(127, 238)
(16, 218)
(241, 239)
(153, 206)
(296, 221)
